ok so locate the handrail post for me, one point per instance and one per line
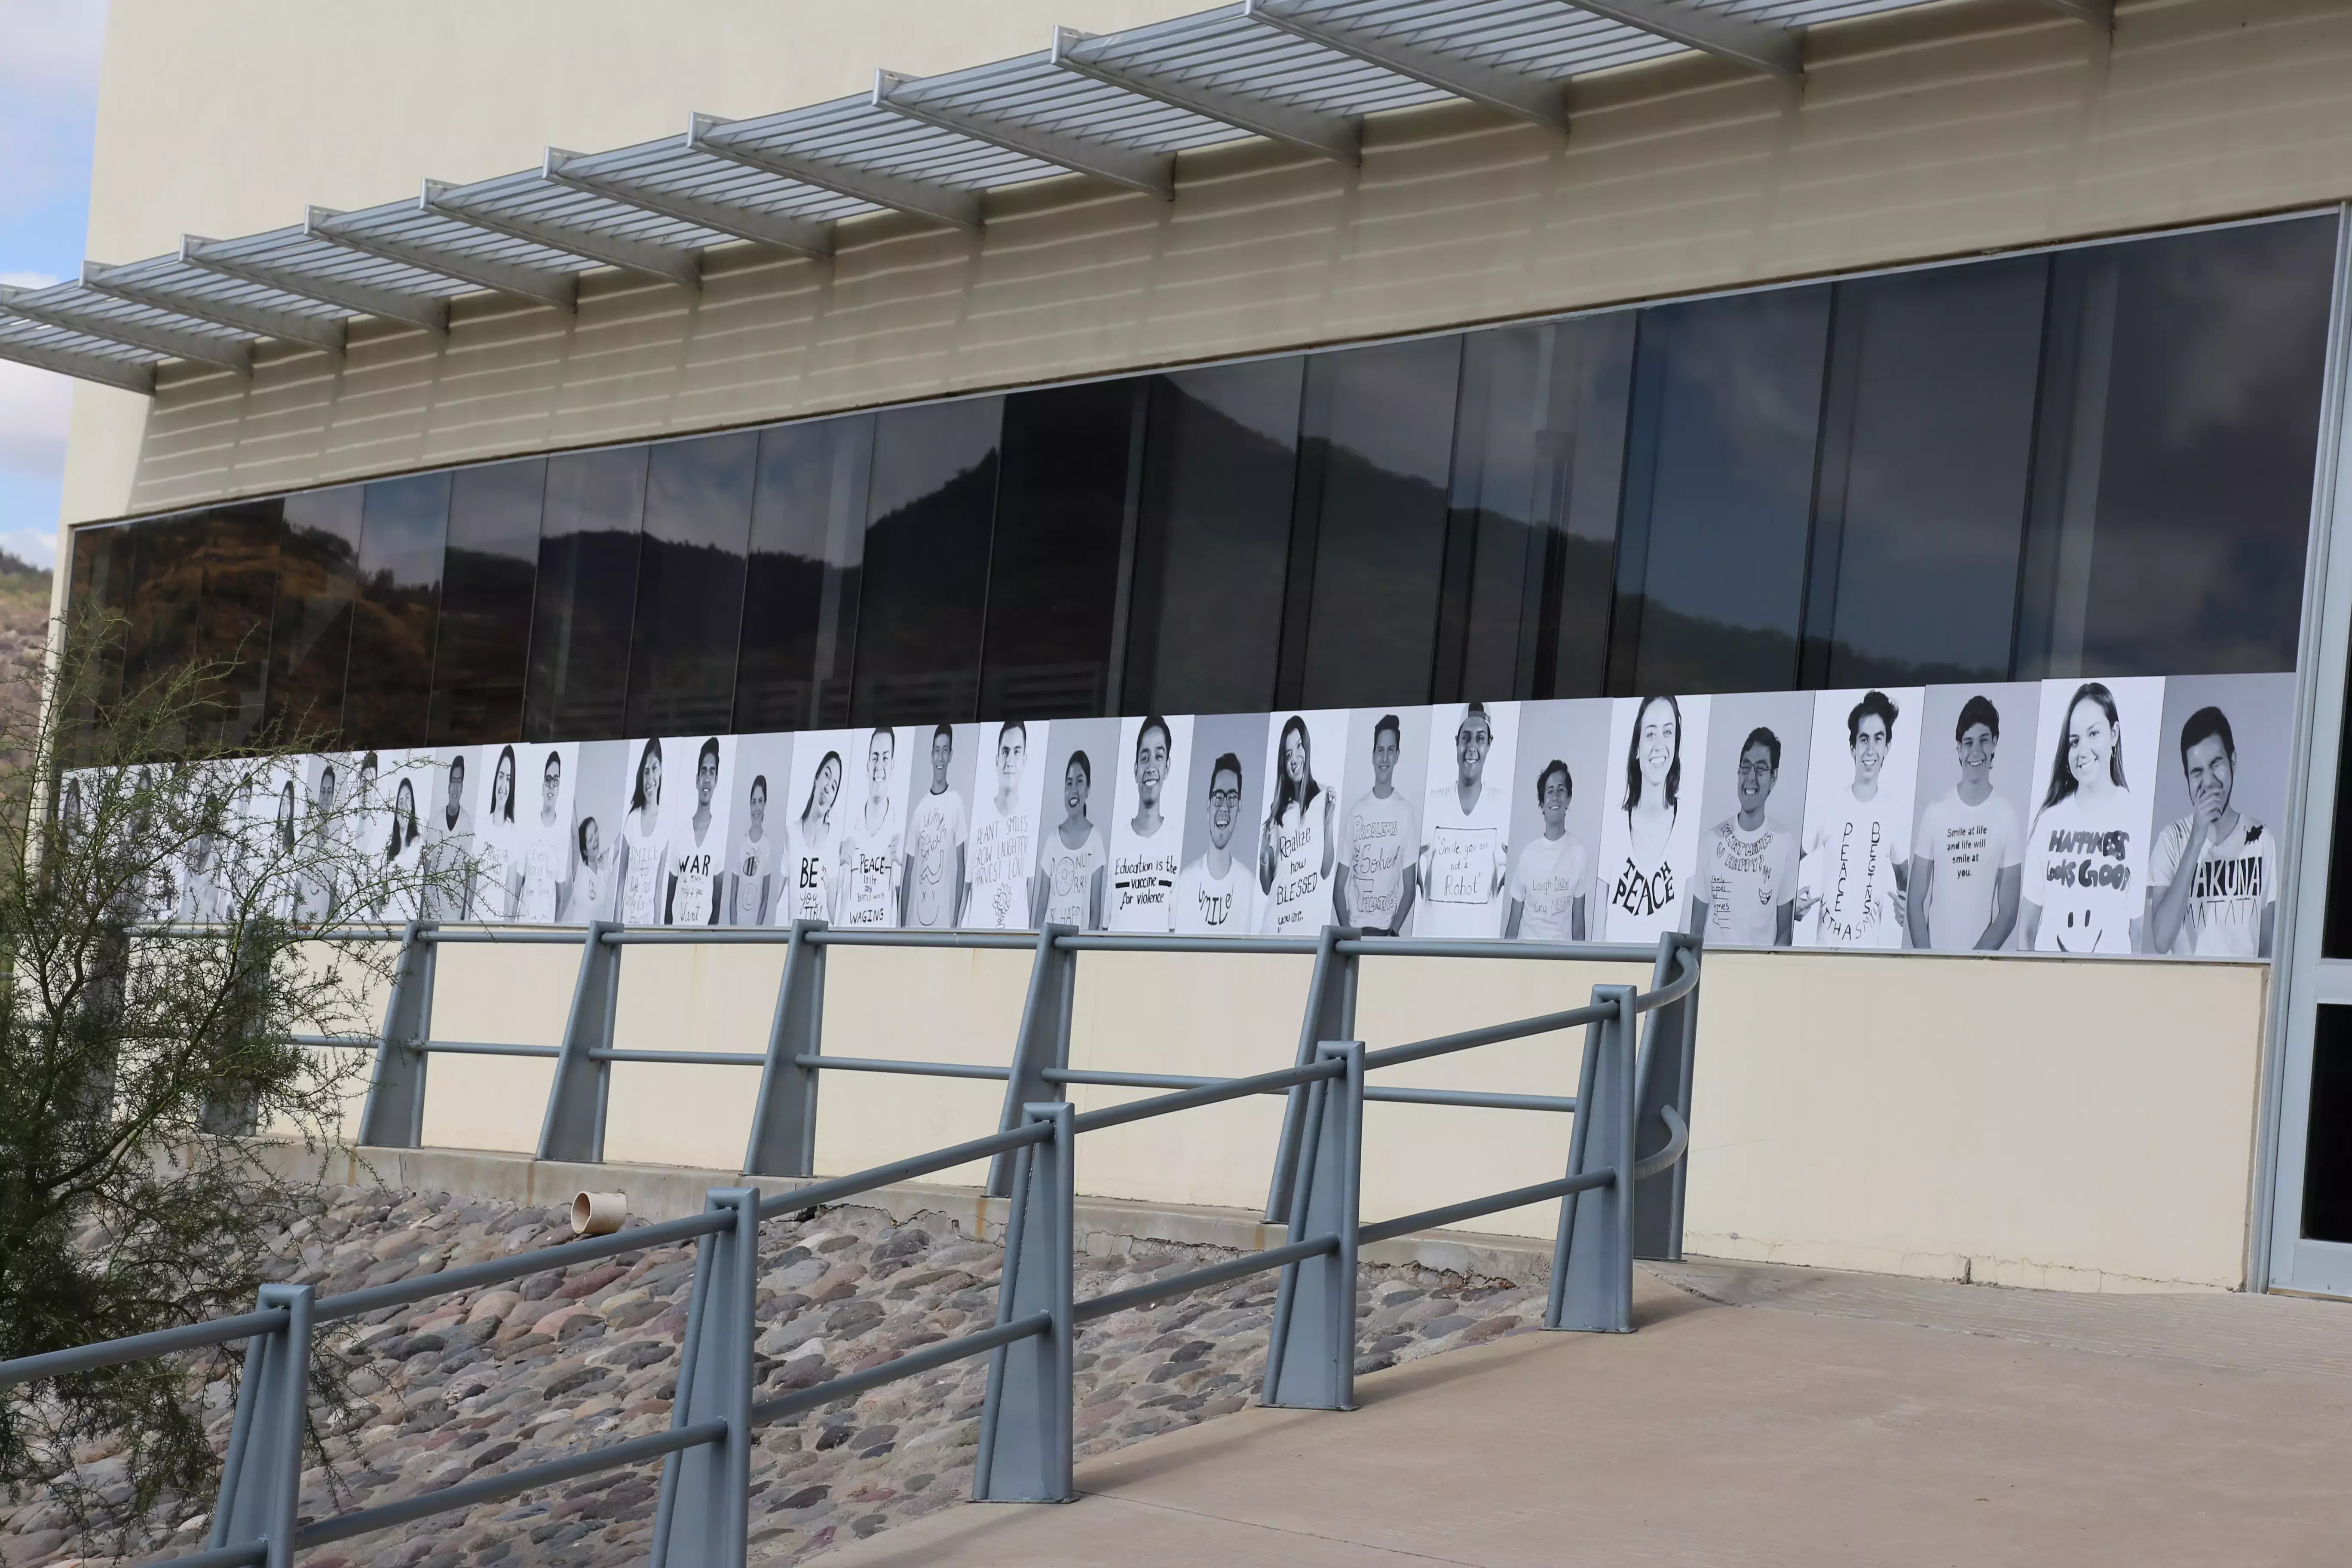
(574, 1128)
(1670, 1038)
(706, 1492)
(1310, 1357)
(1592, 1261)
(1330, 1015)
(784, 1121)
(262, 1475)
(1026, 1427)
(1044, 1042)
(394, 1114)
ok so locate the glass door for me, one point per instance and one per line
(2304, 1197)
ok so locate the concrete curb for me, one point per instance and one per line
(1105, 1226)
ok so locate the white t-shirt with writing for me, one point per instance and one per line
(1143, 877)
(1298, 903)
(2236, 880)
(1463, 856)
(1967, 847)
(547, 859)
(2084, 868)
(1849, 866)
(1644, 893)
(643, 885)
(1003, 849)
(1745, 877)
(1547, 880)
(1216, 906)
(700, 866)
(935, 831)
(494, 845)
(589, 899)
(753, 864)
(811, 868)
(867, 893)
(1070, 875)
(1377, 840)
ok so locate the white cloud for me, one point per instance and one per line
(26, 279)
(36, 407)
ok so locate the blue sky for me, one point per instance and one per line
(49, 108)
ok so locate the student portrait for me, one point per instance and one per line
(871, 828)
(1556, 813)
(1299, 825)
(938, 828)
(1218, 892)
(1147, 828)
(816, 804)
(600, 795)
(1649, 835)
(1759, 755)
(2221, 792)
(1376, 876)
(696, 890)
(1008, 794)
(1858, 803)
(1976, 795)
(2087, 848)
(547, 852)
(1072, 847)
(1465, 827)
(758, 843)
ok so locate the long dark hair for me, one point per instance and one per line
(392, 850)
(1285, 792)
(505, 764)
(816, 777)
(653, 753)
(2062, 777)
(1633, 756)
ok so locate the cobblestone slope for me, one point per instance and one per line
(505, 1377)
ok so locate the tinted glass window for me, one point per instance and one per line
(1928, 451)
(800, 600)
(1212, 539)
(167, 584)
(587, 599)
(100, 591)
(926, 582)
(690, 584)
(240, 595)
(2327, 1152)
(2336, 927)
(2180, 423)
(1719, 494)
(1065, 511)
(403, 527)
(480, 656)
(1377, 438)
(1537, 464)
(311, 642)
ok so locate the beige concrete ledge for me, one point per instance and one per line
(1104, 1225)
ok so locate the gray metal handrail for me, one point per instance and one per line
(783, 1141)
(1025, 1450)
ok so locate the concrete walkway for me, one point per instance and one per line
(1761, 1415)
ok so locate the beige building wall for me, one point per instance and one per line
(1941, 131)
(2077, 1125)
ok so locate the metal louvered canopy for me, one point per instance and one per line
(1118, 107)
(176, 284)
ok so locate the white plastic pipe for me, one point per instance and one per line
(598, 1213)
